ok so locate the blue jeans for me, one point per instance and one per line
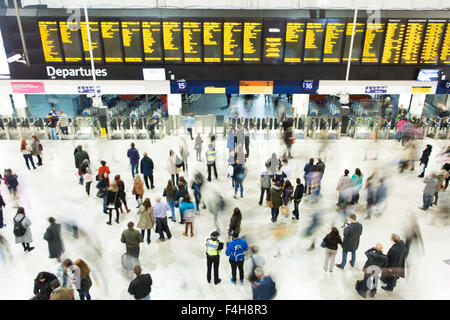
(147, 297)
(84, 295)
(237, 184)
(275, 213)
(149, 232)
(344, 258)
(427, 201)
(29, 157)
(53, 135)
(134, 169)
(172, 209)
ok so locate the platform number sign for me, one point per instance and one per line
(443, 87)
(181, 86)
(308, 85)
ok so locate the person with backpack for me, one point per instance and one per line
(36, 149)
(122, 193)
(22, 231)
(236, 251)
(133, 155)
(213, 249)
(266, 182)
(330, 244)
(2, 205)
(263, 287)
(87, 175)
(254, 261)
(54, 239)
(298, 195)
(80, 155)
(102, 187)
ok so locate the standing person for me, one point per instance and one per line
(431, 184)
(306, 170)
(22, 231)
(352, 233)
(424, 159)
(63, 122)
(320, 167)
(236, 251)
(247, 142)
(174, 171)
(286, 170)
(42, 284)
(133, 155)
(298, 195)
(147, 170)
(395, 267)
(213, 249)
(112, 202)
(343, 187)
(2, 205)
(263, 288)
(230, 140)
(375, 258)
(102, 186)
(279, 175)
(138, 189)
(85, 279)
(141, 286)
(87, 175)
(52, 120)
(181, 193)
(356, 182)
(198, 147)
(235, 222)
(11, 181)
(27, 154)
(68, 274)
(275, 200)
(238, 177)
(132, 238)
(189, 123)
(36, 149)
(266, 182)
(80, 155)
(160, 209)
(146, 219)
(287, 191)
(122, 194)
(169, 193)
(54, 239)
(101, 170)
(331, 242)
(187, 211)
(211, 161)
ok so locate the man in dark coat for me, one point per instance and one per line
(141, 286)
(42, 284)
(54, 239)
(147, 170)
(133, 154)
(424, 159)
(352, 233)
(80, 155)
(264, 287)
(375, 258)
(395, 267)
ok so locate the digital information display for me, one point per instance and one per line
(334, 41)
(151, 39)
(232, 39)
(273, 42)
(192, 42)
(315, 32)
(131, 40)
(252, 42)
(413, 41)
(357, 41)
(373, 43)
(111, 41)
(432, 42)
(444, 57)
(71, 42)
(395, 31)
(294, 41)
(212, 42)
(172, 41)
(50, 41)
(95, 41)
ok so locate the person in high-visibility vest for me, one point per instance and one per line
(213, 249)
(211, 160)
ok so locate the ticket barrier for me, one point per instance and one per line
(443, 132)
(140, 128)
(39, 128)
(115, 131)
(435, 127)
(363, 127)
(85, 128)
(3, 131)
(128, 128)
(13, 129)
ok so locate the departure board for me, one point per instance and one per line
(294, 41)
(314, 35)
(413, 41)
(151, 40)
(232, 41)
(173, 45)
(334, 41)
(432, 42)
(357, 41)
(395, 31)
(444, 57)
(252, 40)
(71, 42)
(111, 41)
(50, 41)
(373, 43)
(212, 42)
(95, 41)
(273, 41)
(131, 40)
(192, 41)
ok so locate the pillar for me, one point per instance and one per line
(300, 103)
(6, 108)
(20, 104)
(417, 103)
(174, 104)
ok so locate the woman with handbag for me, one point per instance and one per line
(174, 169)
(27, 154)
(36, 149)
(235, 222)
(275, 200)
(147, 219)
(330, 243)
(288, 189)
(138, 189)
(122, 194)
(102, 185)
(112, 202)
(181, 193)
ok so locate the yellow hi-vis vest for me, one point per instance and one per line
(211, 155)
(211, 247)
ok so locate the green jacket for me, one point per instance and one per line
(132, 238)
(275, 196)
(79, 157)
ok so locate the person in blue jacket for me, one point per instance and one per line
(147, 170)
(230, 140)
(236, 251)
(133, 154)
(264, 287)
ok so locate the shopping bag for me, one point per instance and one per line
(285, 210)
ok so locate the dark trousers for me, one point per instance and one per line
(39, 159)
(64, 130)
(84, 295)
(275, 213)
(436, 197)
(152, 136)
(134, 252)
(1, 217)
(446, 183)
(161, 226)
(355, 198)
(234, 266)
(151, 181)
(247, 150)
(210, 262)
(88, 187)
(295, 212)
(266, 190)
(29, 157)
(364, 287)
(190, 132)
(149, 233)
(391, 283)
(109, 212)
(209, 170)
(173, 178)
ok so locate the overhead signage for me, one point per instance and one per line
(88, 89)
(27, 87)
(421, 90)
(376, 89)
(443, 87)
(254, 87)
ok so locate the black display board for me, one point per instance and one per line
(294, 41)
(252, 40)
(232, 41)
(358, 38)
(71, 42)
(111, 38)
(444, 57)
(314, 37)
(152, 41)
(432, 41)
(192, 41)
(395, 32)
(172, 31)
(212, 41)
(274, 31)
(373, 42)
(96, 44)
(334, 41)
(413, 41)
(132, 41)
(50, 41)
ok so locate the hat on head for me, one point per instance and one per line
(215, 234)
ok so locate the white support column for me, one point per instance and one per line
(20, 103)
(417, 102)
(6, 109)
(300, 103)
(404, 100)
(174, 104)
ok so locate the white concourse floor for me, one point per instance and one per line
(178, 266)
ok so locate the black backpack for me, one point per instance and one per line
(19, 229)
(83, 168)
(40, 147)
